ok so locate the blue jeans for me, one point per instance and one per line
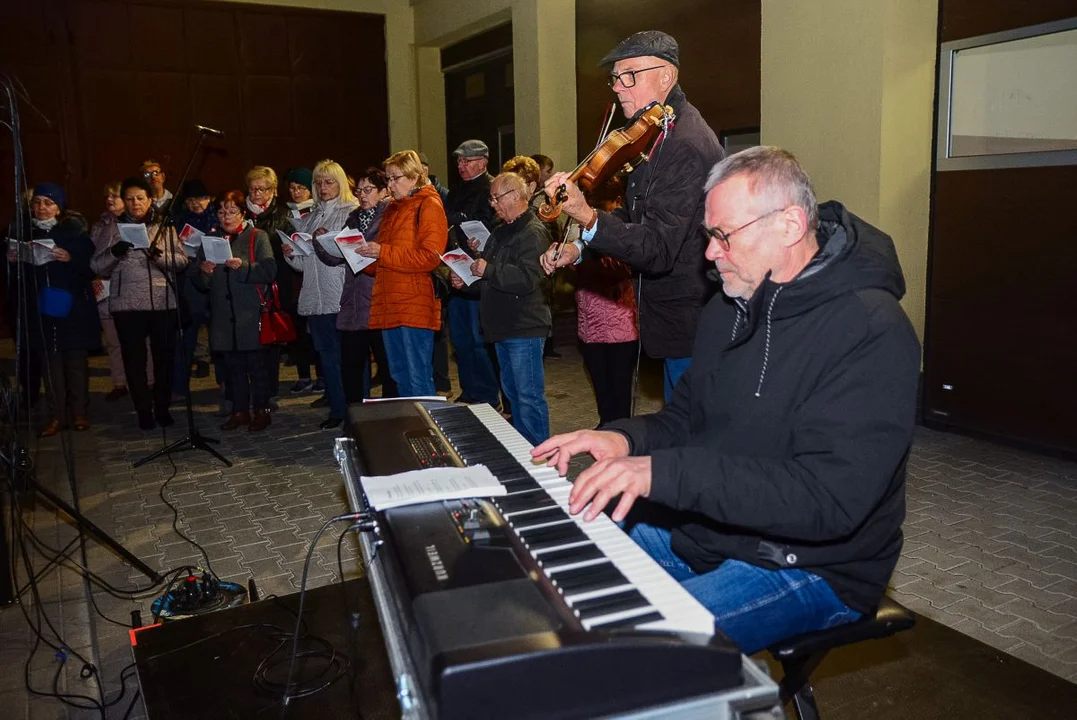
(524, 383)
(672, 369)
(410, 352)
(326, 338)
(477, 379)
(754, 606)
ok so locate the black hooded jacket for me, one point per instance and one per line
(658, 234)
(785, 442)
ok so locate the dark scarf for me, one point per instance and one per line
(363, 218)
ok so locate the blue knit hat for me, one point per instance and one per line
(301, 176)
(53, 192)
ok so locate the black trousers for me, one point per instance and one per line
(442, 382)
(248, 379)
(69, 384)
(610, 366)
(302, 350)
(354, 355)
(271, 360)
(133, 327)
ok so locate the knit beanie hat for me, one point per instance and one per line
(301, 176)
(53, 192)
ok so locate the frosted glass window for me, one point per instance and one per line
(1009, 99)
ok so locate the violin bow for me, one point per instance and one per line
(562, 241)
(603, 132)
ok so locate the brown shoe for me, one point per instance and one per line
(82, 424)
(260, 420)
(51, 429)
(237, 420)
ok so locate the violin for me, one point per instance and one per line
(620, 151)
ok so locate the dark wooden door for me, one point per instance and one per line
(479, 97)
(116, 82)
(1001, 335)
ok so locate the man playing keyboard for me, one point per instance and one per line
(774, 480)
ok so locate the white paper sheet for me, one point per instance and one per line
(298, 241)
(38, 252)
(419, 486)
(136, 234)
(329, 244)
(476, 230)
(349, 241)
(217, 250)
(460, 263)
(101, 289)
(190, 235)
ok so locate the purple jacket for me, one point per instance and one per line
(355, 299)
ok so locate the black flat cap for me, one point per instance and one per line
(648, 42)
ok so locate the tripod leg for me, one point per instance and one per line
(200, 442)
(101, 536)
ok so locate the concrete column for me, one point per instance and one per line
(848, 86)
(544, 75)
(431, 85)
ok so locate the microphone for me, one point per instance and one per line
(209, 131)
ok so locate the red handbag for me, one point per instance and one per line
(275, 326)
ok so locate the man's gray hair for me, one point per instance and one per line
(773, 172)
(514, 181)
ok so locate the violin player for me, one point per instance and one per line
(656, 232)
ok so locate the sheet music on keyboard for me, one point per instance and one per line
(476, 596)
(429, 485)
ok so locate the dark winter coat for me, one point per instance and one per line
(81, 329)
(514, 299)
(785, 443)
(276, 217)
(657, 232)
(193, 299)
(235, 306)
(358, 287)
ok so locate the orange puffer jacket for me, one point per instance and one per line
(412, 236)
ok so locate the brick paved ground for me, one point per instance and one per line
(991, 533)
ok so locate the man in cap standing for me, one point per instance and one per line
(470, 201)
(657, 231)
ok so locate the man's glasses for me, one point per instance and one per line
(723, 237)
(468, 160)
(151, 173)
(495, 199)
(628, 77)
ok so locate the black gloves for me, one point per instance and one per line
(120, 248)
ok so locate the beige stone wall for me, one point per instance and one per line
(848, 86)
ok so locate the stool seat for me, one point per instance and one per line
(890, 618)
(800, 655)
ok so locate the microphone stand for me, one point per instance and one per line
(194, 440)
